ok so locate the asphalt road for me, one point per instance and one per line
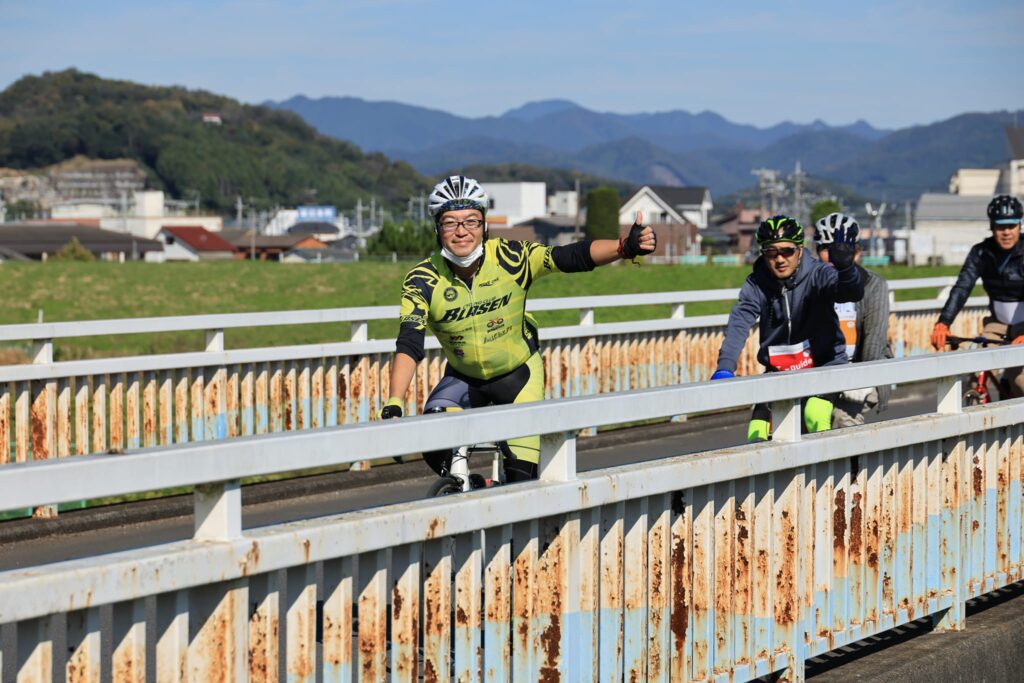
(83, 533)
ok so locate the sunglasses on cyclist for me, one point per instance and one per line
(772, 252)
(468, 224)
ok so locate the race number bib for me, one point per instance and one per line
(791, 357)
(847, 313)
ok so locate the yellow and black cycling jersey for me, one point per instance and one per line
(482, 326)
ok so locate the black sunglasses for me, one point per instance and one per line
(772, 252)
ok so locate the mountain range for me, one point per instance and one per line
(667, 148)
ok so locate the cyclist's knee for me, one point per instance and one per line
(817, 414)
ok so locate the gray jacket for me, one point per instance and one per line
(800, 308)
(873, 326)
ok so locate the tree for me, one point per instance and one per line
(406, 238)
(824, 208)
(602, 214)
(73, 251)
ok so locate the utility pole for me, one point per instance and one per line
(373, 209)
(359, 216)
(876, 226)
(238, 210)
(798, 209)
(576, 220)
(768, 184)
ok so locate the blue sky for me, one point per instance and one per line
(892, 63)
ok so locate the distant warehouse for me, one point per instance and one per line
(39, 240)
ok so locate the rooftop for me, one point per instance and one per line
(933, 206)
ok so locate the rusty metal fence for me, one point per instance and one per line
(725, 565)
(55, 410)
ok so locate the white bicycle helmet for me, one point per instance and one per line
(457, 192)
(825, 228)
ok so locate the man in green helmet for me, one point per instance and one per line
(794, 296)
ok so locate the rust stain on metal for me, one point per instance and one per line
(785, 577)
(839, 530)
(251, 559)
(429, 673)
(435, 528)
(551, 643)
(856, 519)
(396, 602)
(979, 484)
(872, 546)
(305, 549)
(975, 525)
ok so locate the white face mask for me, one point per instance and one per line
(464, 261)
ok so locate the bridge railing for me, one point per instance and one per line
(58, 409)
(731, 564)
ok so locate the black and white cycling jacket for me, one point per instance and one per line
(1002, 276)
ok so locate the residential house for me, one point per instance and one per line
(321, 230)
(270, 247)
(664, 204)
(193, 243)
(39, 241)
(738, 228)
(515, 202)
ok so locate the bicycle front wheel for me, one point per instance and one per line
(445, 486)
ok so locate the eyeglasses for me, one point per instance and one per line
(772, 252)
(468, 224)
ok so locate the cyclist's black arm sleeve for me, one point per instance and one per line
(573, 258)
(964, 284)
(848, 285)
(410, 341)
(741, 319)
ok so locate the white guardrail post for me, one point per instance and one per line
(218, 511)
(949, 392)
(587, 318)
(43, 397)
(557, 457)
(361, 333)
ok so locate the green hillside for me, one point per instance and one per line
(264, 155)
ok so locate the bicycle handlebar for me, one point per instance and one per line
(954, 342)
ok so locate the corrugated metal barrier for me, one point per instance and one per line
(718, 566)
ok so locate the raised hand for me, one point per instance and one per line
(641, 239)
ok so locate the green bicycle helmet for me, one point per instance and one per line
(780, 228)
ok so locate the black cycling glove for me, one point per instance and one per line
(844, 247)
(629, 246)
(393, 408)
(841, 255)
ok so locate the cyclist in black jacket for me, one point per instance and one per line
(999, 262)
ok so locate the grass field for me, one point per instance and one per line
(89, 291)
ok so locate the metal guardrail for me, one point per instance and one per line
(359, 316)
(730, 564)
(55, 410)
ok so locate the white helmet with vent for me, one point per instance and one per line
(825, 228)
(457, 192)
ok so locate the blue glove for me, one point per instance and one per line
(722, 374)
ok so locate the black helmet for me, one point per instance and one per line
(1005, 209)
(780, 229)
